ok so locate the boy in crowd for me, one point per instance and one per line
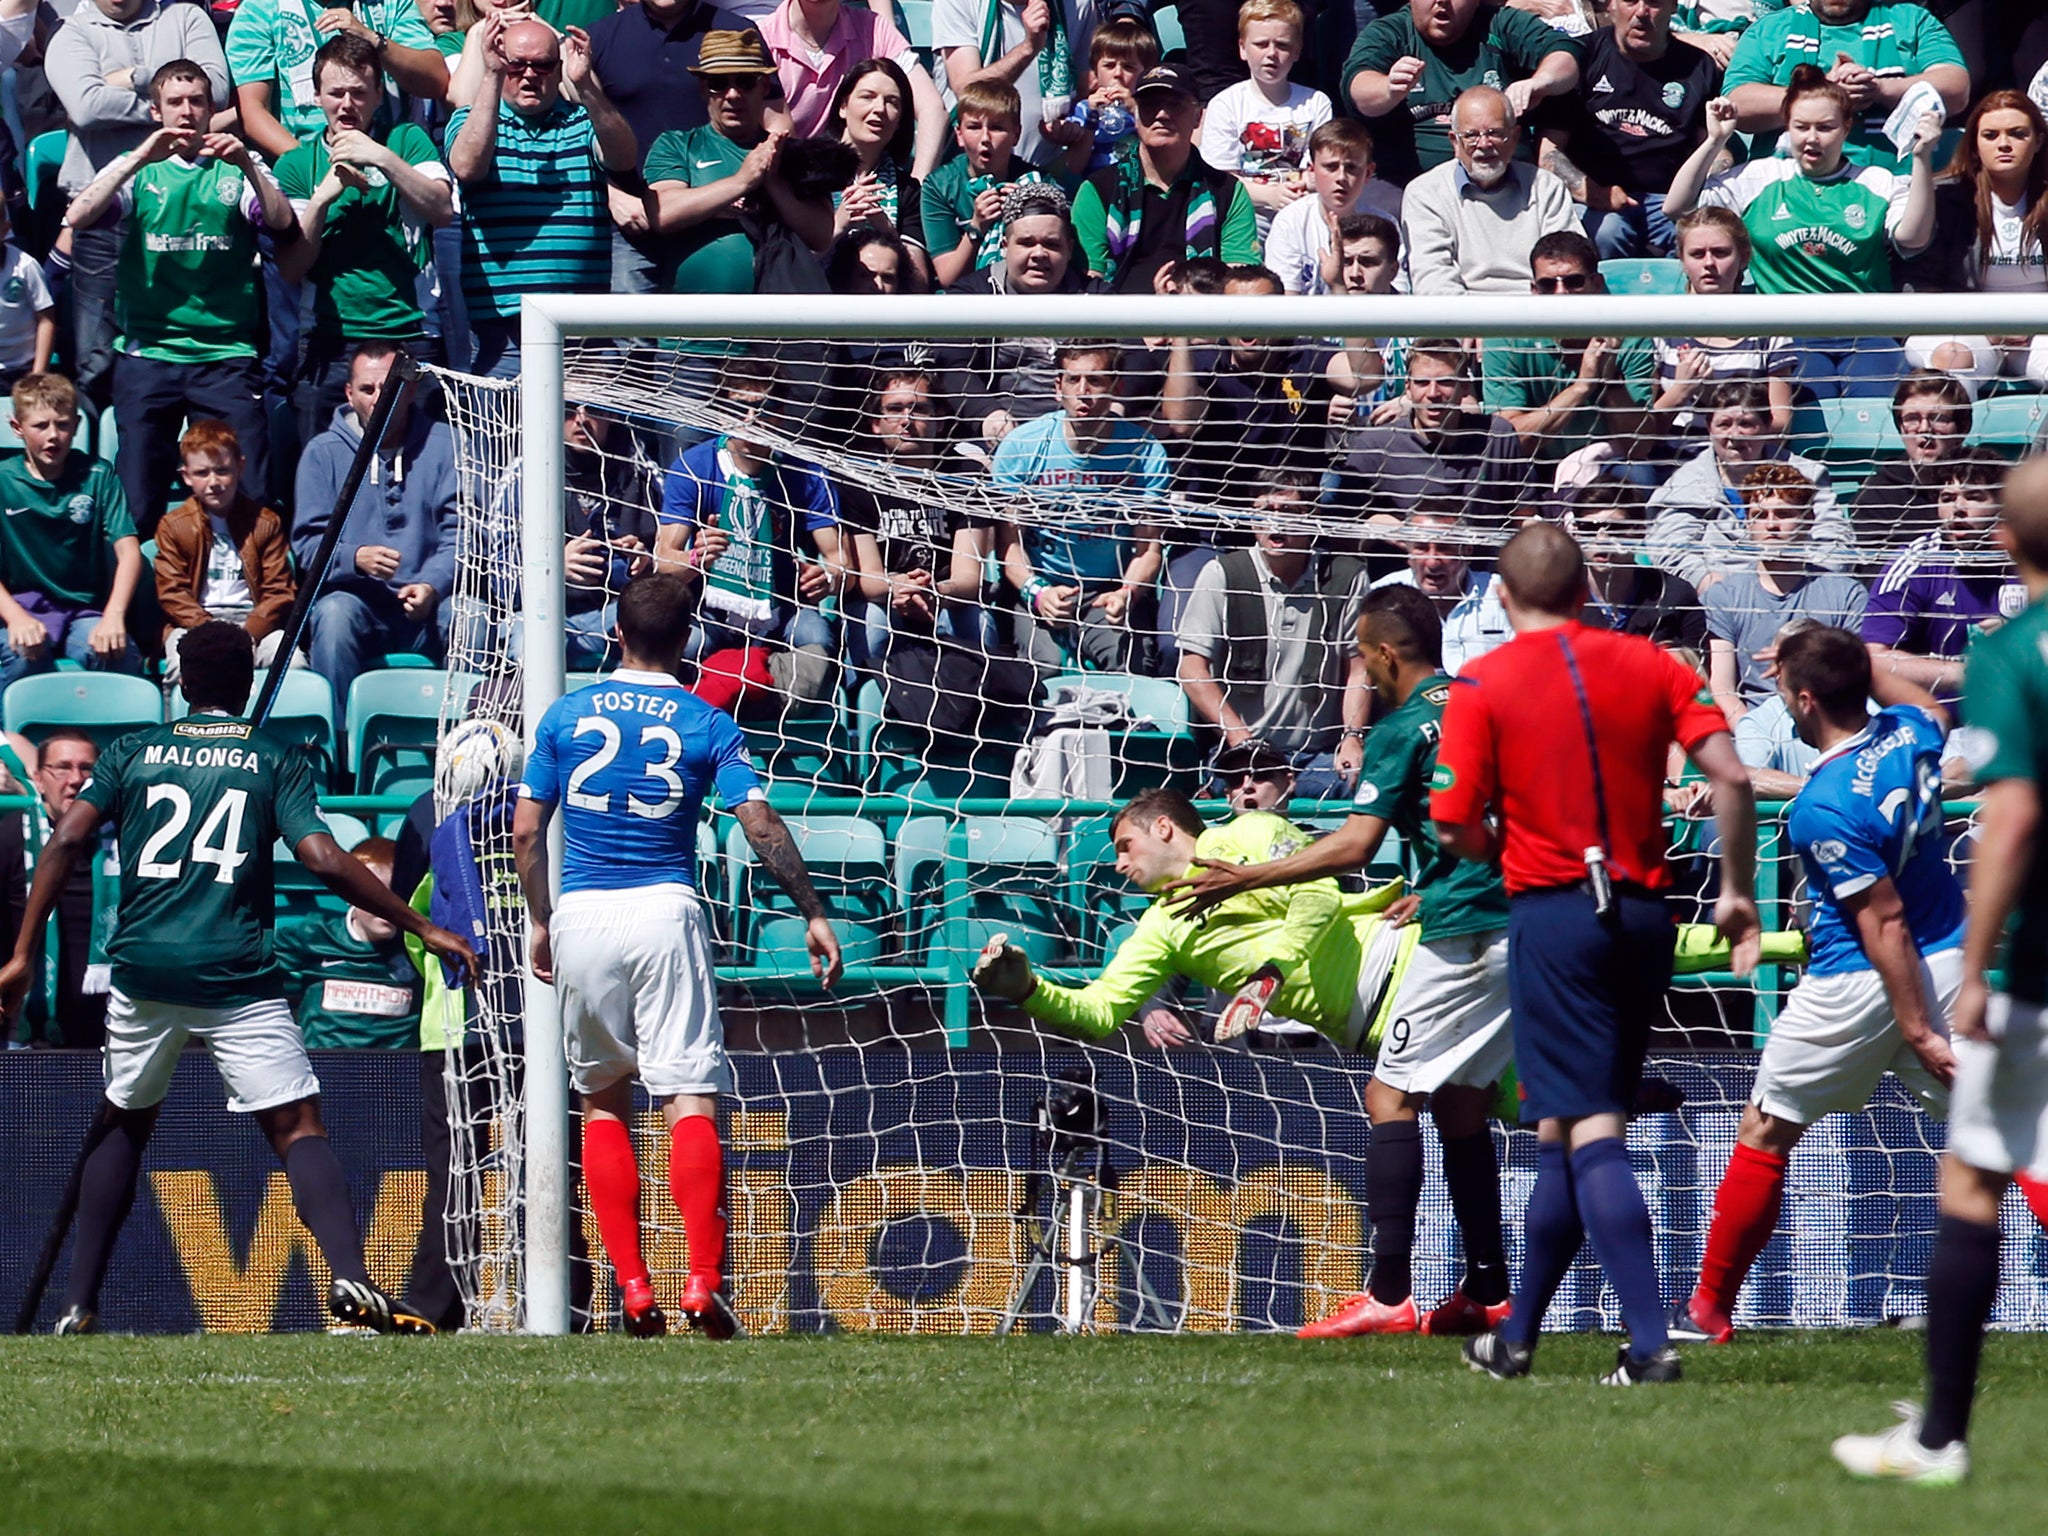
(221, 554)
(963, 199)
(1259, 129)
(28, 315)
(1302, 235)
(69, 557)
(1119, 56)
(347, 975)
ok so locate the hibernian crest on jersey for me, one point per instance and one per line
(80, 509)
(1855, 215)
(1674, 94)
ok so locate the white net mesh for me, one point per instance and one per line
(907, 714)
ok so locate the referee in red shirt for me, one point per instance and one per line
(1553, 761)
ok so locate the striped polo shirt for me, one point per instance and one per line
(541, 223)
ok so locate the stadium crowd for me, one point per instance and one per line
(226, 221)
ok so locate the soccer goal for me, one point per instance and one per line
(957, 642)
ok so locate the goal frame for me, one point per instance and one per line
(548, 321)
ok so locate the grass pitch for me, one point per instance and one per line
(236, 1437)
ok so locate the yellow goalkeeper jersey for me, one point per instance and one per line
(1319, 939)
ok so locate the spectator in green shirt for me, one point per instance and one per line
(69, 558)
(270, 49)
(187, 306)
(347, 975)
(366, 194)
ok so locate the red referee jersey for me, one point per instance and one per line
(1514, 739)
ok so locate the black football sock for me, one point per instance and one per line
(1618, 1221)
(320, 1193)
(1393, 1189)
(1553, 1235)
(1474, 1179)
(106, 1193)
(1962, 1282)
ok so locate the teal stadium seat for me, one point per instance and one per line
(393, 721)
(1162, 746)
(303, 714)
(890, 757)
(1166, 26)
(848, 860)
(104, 705)
(2008, 423)
(1643, 275)
(40, 164)
(1860, 434)
(299, 894)
(1014, 886)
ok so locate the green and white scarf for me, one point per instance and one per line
(740, 584)
(1055, 63)
(1124, 214)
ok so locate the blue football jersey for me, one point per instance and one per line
(1870, 811)
(629, 759)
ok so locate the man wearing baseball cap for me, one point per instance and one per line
(1165, 203)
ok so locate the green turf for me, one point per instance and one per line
(235, 1437)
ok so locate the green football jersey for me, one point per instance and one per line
(1814, 236)
(57, 536)
(187, 274)
(1458, 896)
(373, 248)
(2005, 701)
(197, 805)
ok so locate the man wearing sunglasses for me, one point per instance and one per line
(534, 159)
(1472, 220)
(1565, 394)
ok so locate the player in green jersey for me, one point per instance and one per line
(197, 805)
(1449, 1042)
(1998, 1103)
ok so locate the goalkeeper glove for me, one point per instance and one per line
(1249, 1006)
(1004, 970)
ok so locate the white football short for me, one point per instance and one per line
(257, 1048)
(1998, 1112)
(1836, 1038)
(639, 995)
(1449, 1024)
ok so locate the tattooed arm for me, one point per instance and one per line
(776, 850)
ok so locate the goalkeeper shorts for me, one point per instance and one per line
(639, 996)
(256, 1047)
(1998, 1110)
(1450, 1016)
(1836, 1037)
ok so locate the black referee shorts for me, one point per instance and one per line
(1585, 991)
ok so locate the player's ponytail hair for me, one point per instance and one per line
(218, 662)
(1809, 80)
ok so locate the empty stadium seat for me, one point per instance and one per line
(102, 704)
(1158, 749)
(890, 757)
(1166, 26)
(848, 860)
(299, 894)
(1643, 275)
(1859, 434)
(2008, 423)
(1014, 880)
(393, 720)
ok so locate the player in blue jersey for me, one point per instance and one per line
(1886, 943)
(629, 760)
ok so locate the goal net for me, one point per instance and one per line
(957, 599)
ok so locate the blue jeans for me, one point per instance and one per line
(803, 626)
(1849, 367)
(1639, 231)
(349, 635)
(497, 347)
(70, 636)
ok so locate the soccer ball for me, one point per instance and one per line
(473, 756)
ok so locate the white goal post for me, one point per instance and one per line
(550, 323)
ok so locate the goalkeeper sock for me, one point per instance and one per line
(320, 1194)
(106, 1193)
(1553, 1235)
(1962, 1282)
(1746, 1210)
(1474, 1177)
(1393, 1189)
(1618, 1221)
(611, 1177)
(696, 1178)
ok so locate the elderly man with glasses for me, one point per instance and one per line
(72, 1010)
(534, 174)
(1472, 220)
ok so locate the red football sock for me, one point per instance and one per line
(611, 1176)
(1745, 1215)
(2035, 1193)
(696, 1177)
